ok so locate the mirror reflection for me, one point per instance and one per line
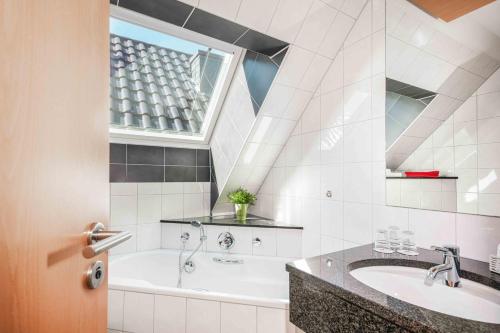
(442, 110)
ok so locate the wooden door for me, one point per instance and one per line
(54, 65)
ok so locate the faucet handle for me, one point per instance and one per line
(447, 250)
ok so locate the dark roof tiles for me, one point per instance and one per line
(152, 88)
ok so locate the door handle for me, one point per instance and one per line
(100, 240)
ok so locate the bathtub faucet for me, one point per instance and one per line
(189, 265)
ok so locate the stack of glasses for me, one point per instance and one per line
(392, 240)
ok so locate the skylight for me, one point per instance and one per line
(163, 85)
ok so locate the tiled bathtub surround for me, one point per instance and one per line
(135, 163)
(139, 207)
(274, 242)
(138, 312)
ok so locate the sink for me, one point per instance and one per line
(472, 300)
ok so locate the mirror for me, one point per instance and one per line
(443, 110)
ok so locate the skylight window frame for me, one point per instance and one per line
(131, 136)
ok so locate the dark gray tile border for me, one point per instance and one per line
(261, 43)
(278, 57)
(170, 11)
(203, 22)
(202, 157)
(151, 164)
(117, 153)
(180, 156)
(144, 155)
(180, 174)
(202, 174)
(117, 173)
(214, 26)
(144, 173)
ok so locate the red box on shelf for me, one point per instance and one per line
(422, 174)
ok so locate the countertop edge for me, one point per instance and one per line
(274, 226)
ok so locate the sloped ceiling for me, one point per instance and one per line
(316, 31)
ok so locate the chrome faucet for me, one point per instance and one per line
(188, 265)
(449, 269)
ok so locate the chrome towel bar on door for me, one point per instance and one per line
(99, 240)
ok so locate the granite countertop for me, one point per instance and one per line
(331, 273)
(230, 220)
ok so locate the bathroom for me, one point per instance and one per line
(362, 136)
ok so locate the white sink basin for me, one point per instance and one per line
(471, 301)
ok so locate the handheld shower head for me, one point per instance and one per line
(198, 224)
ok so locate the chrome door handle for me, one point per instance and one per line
(99, 240)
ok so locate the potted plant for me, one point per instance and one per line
(241, 198)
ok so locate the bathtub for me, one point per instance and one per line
(247, 297)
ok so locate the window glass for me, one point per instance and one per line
(162, 83)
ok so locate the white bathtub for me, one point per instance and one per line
(143, 294)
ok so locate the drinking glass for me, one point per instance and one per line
(382, 242)
(394, 241)
(408, 246)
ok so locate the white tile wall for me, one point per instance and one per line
(136, 312)
(256, 14)
(316, 31)
(313, 32)
(435, 194)
(289, 243)
(148, 236)
(288, 19)
(347, 153)
(273, 241)
(243, 237)
(432, 227)
(169, 313)
(139, 207)
(115, 309)
(267, 237)
(283, 186)
(202, 316)
(270, 320)
(226, 9)
(477, 235)
(238, 318)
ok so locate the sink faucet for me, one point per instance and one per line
(450, 268)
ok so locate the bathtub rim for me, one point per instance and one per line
(120, 285)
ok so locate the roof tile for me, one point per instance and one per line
(152, 88)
